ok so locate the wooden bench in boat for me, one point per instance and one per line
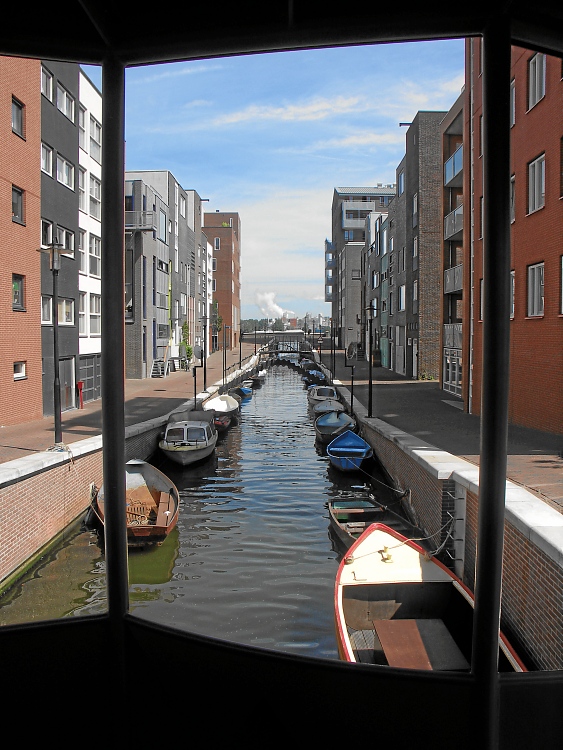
(140, 502)
(419, 644)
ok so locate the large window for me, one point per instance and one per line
(65, 102)
(17, 117)
(17, 205)
(95, 251)
(536, 79)
(82, 127)
(95, 197)
(18, 301)
(46, 233)
(47, 159)
(536, 184)
(66, 312)
(95, 140)
(401, 298)
(47, 83)
(95, 314)
(65, 172)
(65, 238)
(535, 290)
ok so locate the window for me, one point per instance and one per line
(95, 314)
(95, 253)
(213, 264)
(65, 238)
(65, 102)
(217, 243)
(356, 273)
(81, 188)
(46, 311)
(390, 303)
(17, 205)
(401, 260)
(47, 83)
(512, 102)
(66, 312)
(535, 290)
(536, 184)
(46, 233)
(19, 371)
(162, 226)
(415, 247)
(415, 290)
(17, 292)
(374, 307)
(47, 159)
(182, 206)
(374, 279)
(481, 216)
(401, 183)
(512, 198)
(82, 266)
(65, 172)
(95, 197)
(415, 204)
(401, 298)
(82, 329)
(536, 79)
(17, 117)
(82, 127)
(95, 140)
(512, 278)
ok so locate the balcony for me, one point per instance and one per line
(453, 224)
(452, 335)
(453, 169)
(330, 262)
(453, 279)
(328, 294)
(143, 221)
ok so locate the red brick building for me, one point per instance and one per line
(20, 238)
(223, 232)
(536, 330)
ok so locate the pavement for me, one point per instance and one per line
(420, 408)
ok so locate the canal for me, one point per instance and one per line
(252, 559)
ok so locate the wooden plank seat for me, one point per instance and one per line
(140, 504)
(419, 644)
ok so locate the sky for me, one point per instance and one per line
(270, 136)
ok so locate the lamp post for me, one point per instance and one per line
(54, 251)
(254, 339)
(370, 378)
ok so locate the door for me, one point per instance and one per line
(68, 384)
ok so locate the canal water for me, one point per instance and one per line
(252, 559)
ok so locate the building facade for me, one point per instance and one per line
(21, 396)
(89, 245)
(223, 230)
(536, 188)
(59, 228)
(350, 208)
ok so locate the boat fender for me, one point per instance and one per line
(349, 559)
(93, 490)
(386, 556)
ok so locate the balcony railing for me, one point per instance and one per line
(453, 224)
(453, 169)
(453, 279)
(452, 335)
(142, 220)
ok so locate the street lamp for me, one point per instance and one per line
(370, 378)
(54, 251)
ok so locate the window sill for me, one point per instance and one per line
(19, 309)
(534, 317)
(19, 221)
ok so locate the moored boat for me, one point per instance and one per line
(321, 393)
(348, 451)
(152, 504)
(226, 404)
(330, 424)
(397, 605)
(190, 436)
(326, 405)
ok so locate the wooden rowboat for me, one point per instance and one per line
(152, 504)
(397, 605)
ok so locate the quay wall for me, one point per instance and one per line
(436, 481)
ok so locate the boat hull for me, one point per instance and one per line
(348, 451)
(328, 426)
(186, 455)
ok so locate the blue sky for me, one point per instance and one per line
(270, 136)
